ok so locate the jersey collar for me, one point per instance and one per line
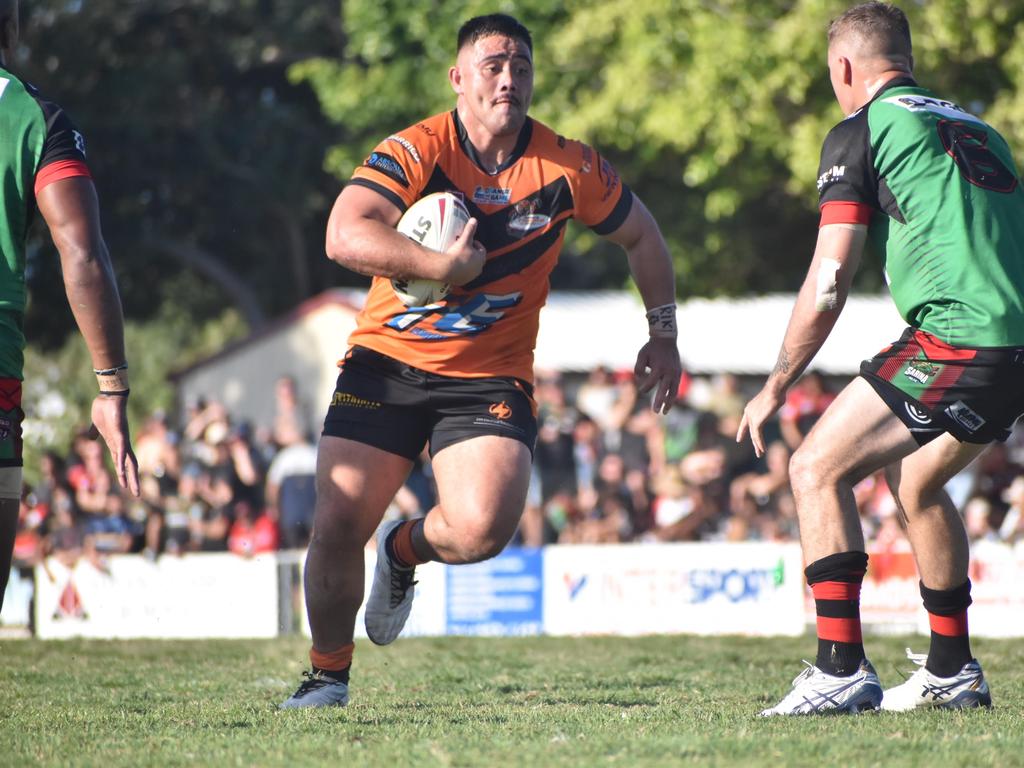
(525, 133)
(900, 81)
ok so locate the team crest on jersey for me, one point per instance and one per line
(389, 166)
(492, 195)
(524, 218)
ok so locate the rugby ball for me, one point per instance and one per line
(435, 222)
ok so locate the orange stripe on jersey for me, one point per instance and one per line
(842, 212)
(487, 327)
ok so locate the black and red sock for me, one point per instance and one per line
(947, 615)
(835, 581)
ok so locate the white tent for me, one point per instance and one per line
(579, 330)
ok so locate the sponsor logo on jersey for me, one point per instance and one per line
(426, 129)
(386, 164)
(832, 175)
(917, 414)
(525, 218)
(492, 195)
(918, 103)
(352, 401)
(588, 159)
(608, 175)
(500, 410)
(965, 416)
(921, 371)
(79, 141)
(407, 145)
(6, 427)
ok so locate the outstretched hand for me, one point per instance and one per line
(758, 411)
(110, 418)
(658, 367)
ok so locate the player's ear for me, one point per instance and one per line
(455, 79)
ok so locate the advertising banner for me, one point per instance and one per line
(503, 596)
(705, 589)
(194, 596)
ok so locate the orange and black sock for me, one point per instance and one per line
(947, 614)
(334, 664)
(398, 545)
(835, 581)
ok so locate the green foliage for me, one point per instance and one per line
(713, 112)
(59, 386)
(645, 701)
(208, 160)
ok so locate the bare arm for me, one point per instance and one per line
(361, 236)
(657, 364)
(71, 211)
(821, 299)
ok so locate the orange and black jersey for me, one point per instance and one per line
(487, 327)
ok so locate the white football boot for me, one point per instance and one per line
(966, 689)
(391, 594)
(317, 690)
(817, 693)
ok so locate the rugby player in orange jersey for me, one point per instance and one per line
(456, 376)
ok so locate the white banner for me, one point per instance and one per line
(194, 596)
(705, 589)
(428, 617)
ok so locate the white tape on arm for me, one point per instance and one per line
(826, 296)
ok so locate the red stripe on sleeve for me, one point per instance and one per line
(836, 590)
(62, 169)
(839, 630)
(950, 626)
(842, 212)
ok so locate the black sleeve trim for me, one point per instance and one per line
(380, 189)
(618, 215)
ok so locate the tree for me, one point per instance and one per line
(208, 159)
(713, 112)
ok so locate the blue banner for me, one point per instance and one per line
(503, 596)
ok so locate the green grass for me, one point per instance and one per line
(649, 701)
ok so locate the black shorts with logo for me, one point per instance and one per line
(975, 394)
(392, 406)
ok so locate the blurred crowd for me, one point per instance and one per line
(606, 470)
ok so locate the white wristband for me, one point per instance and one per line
(661, 322)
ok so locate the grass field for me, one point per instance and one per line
(649, 701)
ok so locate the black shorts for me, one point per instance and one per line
(392, 406)
(975, 394)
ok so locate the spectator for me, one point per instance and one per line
(805, 402)
(291, 492)
(251, 534)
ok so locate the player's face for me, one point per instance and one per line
(494, 77)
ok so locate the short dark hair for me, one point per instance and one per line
(493, 24)
(881, 24)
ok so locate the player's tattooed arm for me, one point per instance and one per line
(782, 365)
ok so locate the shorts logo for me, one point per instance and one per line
(921, 371)
(492, 195)
(345, 399)
(965, 416)
(525, 218)
(918, 415)
(500, 410)
(407, 145)
(386, 164)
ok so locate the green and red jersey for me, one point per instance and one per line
(939, 190)
(38, 146)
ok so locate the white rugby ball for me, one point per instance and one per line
(435, 222)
